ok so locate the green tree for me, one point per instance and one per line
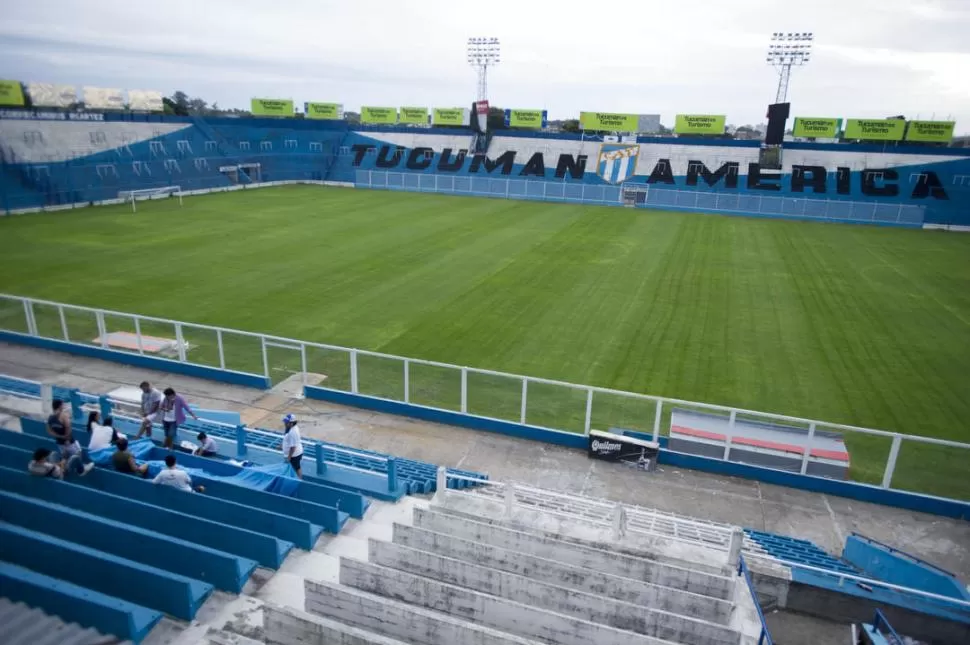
(570, 125)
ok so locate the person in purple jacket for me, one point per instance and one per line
(173, 409)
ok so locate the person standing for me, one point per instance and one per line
(173, 409)
(59, 427)
(151, 400)
(292, 445)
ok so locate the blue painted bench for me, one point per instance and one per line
(77, 605)
(106, 573)
(224, 571)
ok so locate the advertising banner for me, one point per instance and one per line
(330, 111)
(633, 452)
(386, 115)
(103, 98)
(52, 95)
(145, 101)
(875, 129)
(930, 131)
(817, 127)
(450, 116)
(699, 124)
(536, 119)
(609, 121)
(415, 115)
(11, 93)
(272, 107)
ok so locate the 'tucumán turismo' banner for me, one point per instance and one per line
(450, 116)
(415, 115)
(536, 119)
(332, 111)
(699, 124)
(818, 127)
(930, 131)
(609, 122)
(11, 93)
(875, 129)
(272, 107)
(386, 115)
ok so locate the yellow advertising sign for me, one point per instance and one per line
(331, 111)
(818, 127)
(272, 107)
(449, 116)
(416, 115)
(699, 124)
(525, 119)
(609, 121)
(378, 115)
(875, 129)
(930, 131)
(11, 93)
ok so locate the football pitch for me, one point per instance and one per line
(850, 324)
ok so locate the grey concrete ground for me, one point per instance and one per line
(824, 519)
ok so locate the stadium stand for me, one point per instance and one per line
(25, 625)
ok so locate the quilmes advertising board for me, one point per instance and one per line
(699, 124)
(271, 107)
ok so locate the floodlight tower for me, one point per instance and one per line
(786, 50)
(483, 52)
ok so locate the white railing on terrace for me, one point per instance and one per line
(548, 404)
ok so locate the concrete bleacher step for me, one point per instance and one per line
(288, 626)
(590, 557)
(23, 625)
(563, 574)
(223, 570)
(677, 626)
(156, 589)
(76, 604)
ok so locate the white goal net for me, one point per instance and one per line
(164, 192)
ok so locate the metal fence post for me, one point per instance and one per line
(180, 342)
(241, 449)
(441, 480)
(141, 348)
(619, 522)
(525, 396)
(589, 410)
(102, 333)
(29, 317)
(391, 475)
(222, 355)
(407, 381)
(808, 448)
(321, 462)
(509, 499)
(46, 398)
(60, 313)
(303, 364)
(464, 390)
(656, 420)
(353, 371)
(262, 345)
(104, 406)
(730, 435)
(887, 476)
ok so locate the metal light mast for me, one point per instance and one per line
(483, 52)
(786, 50)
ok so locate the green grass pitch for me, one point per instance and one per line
(859, 325)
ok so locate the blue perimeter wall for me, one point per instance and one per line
(883, 562)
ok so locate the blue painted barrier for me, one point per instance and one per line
(103, 572)
(77, 605)
(884, 562)
(265, 549)
(19, 387)
(137, 360)
(224, 571)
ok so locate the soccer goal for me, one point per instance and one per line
(134, 196)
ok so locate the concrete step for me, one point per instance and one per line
(24, 625)
(564, 574)
(490, 611)
(599, 559)
(394, 619)
(288, 626)
(679, 627)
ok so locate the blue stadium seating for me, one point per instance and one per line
(799, 551)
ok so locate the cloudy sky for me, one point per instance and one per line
(873, 58)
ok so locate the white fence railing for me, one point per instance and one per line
(548, 404)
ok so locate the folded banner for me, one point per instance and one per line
(875, 129)
(699, 124)
(145, 100)
(930, 131)
(52, 95)
(104, 98)
(381, 115)
(11, 93)
(272, 107)
(331, 111)
(817, 127)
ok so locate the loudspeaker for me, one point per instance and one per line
(777, 118)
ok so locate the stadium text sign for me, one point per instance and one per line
(609, 121)
(11, 93)
(450, 116)
(699, 124)
(819, 127)
(804, 178)
(875, 129)
(931, 131)
(272, 107)
(387, 115)
(415, 115)
(330, 111)
(526, 118)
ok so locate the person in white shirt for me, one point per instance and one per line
(207, 446)
(292, 446)
(175, 477)
(102, 434)
(151, 399)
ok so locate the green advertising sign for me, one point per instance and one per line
(930, 131)
(386, 115)
(272, 107)
(331, 111)
(416, 115)
(875, 129)
(699, 124)
(525, 119)
(11, 93)
(818, 127)
(609, 121)
(449, 116)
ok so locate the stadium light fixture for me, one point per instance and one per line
(788, 49)
(482, 54)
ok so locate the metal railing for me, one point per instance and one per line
(764, 637)
(548, 404)
(881, 626)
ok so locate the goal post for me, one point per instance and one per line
(134, 196)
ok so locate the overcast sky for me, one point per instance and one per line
(873, 58)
